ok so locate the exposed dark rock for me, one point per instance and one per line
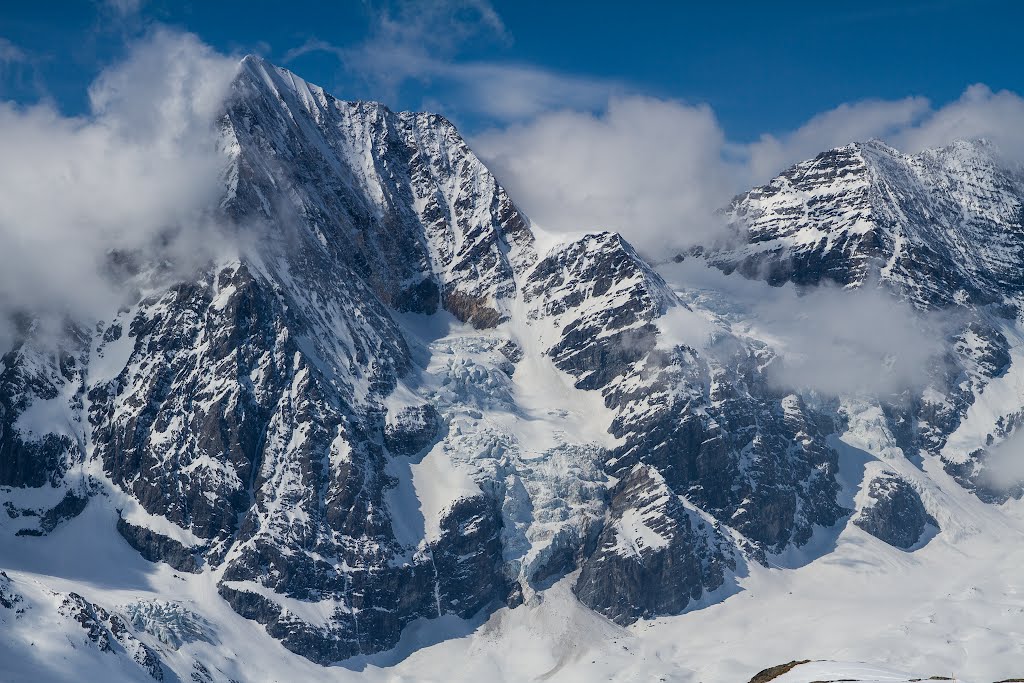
(32, 463)
(471, 309)
(710, 427)
(8, 596)
(866, 215)
(171, 411)
(141, 653)
(70, 506)
(157, 548)
(251, 407)
(461, 573)
(985, 347)
(974, 475)
(558, 559)
(512, 351)
(750, 455)
(896, 514)
(608, 296)
(881, 215)
(38, 369)
(200, 674)
(412, 430)
(773, 672)
(420, 298)
(467, 559)
(90, 618)
(654, 556)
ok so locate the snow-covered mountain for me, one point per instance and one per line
(401, 426)
(943, 229)
(943, 226)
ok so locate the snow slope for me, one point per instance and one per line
(407, 437)
(954, 606)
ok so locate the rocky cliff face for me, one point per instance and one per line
(654, 555)
(389, 405)
(399, 199)
(942, 229)
(243, 409)
(895, 514)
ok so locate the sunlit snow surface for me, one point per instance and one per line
(952, 607)
(863, 610)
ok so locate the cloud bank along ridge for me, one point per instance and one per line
(657, 170)
(142, 172)
(139, 173)
(833, 341)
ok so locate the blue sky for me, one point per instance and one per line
(645, 118)
(763, 67)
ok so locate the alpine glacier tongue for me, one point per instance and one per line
(387, 411)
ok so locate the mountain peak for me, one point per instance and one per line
(877, 145)
(881, 215)
(284, 84)
(400, 198)
(307, 436)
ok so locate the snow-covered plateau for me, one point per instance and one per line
(401, 433)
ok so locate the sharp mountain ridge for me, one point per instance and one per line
(404, 404)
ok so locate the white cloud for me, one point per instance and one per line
(580, 153)
(846, 123)
(11, 53)
(512, 92)
(830, 340)
(648, 168)
(1004, 465)
(313, 45)
(124, 8)
(841, 342)
(167, 91)
(576, 157)
(655, 170)
(142, 165)
(978, 113)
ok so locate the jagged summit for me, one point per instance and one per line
(941, 227)
(287, 84)
(393, 413)
(398, 197)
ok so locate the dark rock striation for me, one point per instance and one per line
(284, 407)
(896, 514)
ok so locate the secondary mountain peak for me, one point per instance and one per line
(392, 408)
(940, 227)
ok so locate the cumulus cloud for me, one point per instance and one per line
(1003, 468)
(846, 123)
(656, 170)
(980, 112)
(911, 125)
(582, 153)
(141, 169)
(833, 341)
(840, 342)
(648, 168)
